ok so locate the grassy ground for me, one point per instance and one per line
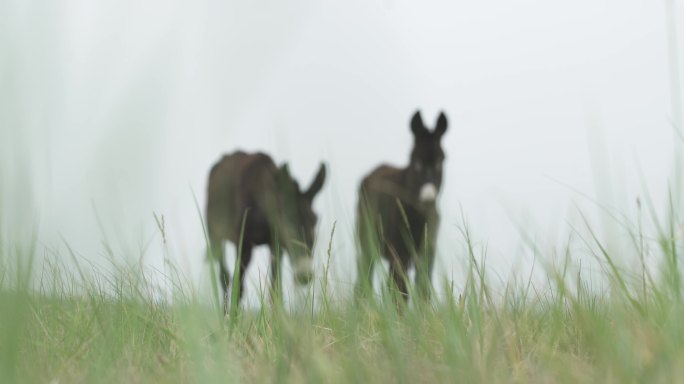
(111, 329)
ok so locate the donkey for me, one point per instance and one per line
(251, 202)
(397, 215)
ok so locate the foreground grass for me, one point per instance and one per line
(583, 337)
(99, 327)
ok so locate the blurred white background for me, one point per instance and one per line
(118, 109)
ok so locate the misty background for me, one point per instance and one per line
(112, 112)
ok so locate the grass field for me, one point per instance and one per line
(63, 321)
(78, 326)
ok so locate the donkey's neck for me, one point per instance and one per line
(409, 191)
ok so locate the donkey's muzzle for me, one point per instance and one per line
(428, 193)
(303, 271)
(303, 278)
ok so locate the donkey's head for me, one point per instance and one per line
(427, 156)
(298, 222)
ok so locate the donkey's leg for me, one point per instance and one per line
(364, 275)
(225, 284)
(365, 265)
(369, 251)
(398, 278)
(242, 263)
(424, 263)
(425, 259)
(276, 282)
(217, 252)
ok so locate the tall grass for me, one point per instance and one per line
(85, 325)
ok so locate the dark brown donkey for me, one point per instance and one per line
(397, 213)
(275, 211)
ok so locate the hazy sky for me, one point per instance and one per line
(121, 107)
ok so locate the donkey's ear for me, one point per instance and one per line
(317, 184)
(284, 172)
(441, 127)
(417, 126)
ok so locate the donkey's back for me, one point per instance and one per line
(382, 182)
(237, 182)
